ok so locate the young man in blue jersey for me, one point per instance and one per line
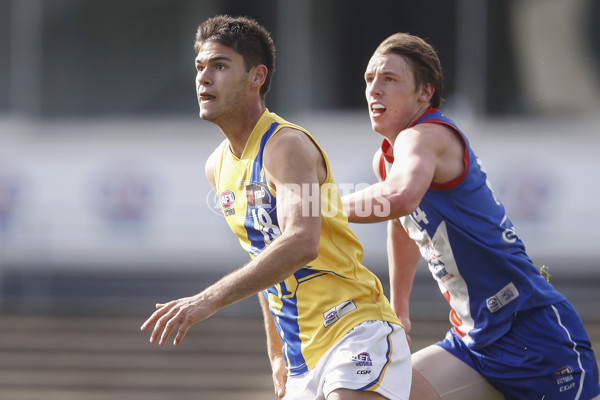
(513, 336)
(328, 322)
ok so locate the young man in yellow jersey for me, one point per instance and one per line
(331, 332)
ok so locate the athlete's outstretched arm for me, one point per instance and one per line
(424, 154)
(295, 167)
(403, 259)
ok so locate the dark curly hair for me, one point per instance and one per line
(244, 35)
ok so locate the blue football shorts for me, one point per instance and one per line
(545, 355)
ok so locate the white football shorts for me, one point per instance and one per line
(373, 356)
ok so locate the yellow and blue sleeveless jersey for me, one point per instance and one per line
(321, 302)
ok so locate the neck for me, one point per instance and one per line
(391, 137)
(238, 128)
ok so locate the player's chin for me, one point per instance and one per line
(373, 121)
(377, 127)
(205, 114)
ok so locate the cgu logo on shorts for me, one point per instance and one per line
(363, 360)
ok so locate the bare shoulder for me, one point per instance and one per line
(294, 151)
(290, 144)
(429, 130)
(440, 144)
(436, 137)
(290, 140)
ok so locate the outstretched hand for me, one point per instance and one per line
(183, 313)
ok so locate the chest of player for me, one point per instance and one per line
(247, 204)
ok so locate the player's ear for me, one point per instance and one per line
(426, 92)
(258, 75)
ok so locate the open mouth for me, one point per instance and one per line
(206, 97)
(377, 108)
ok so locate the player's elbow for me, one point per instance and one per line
(301, 246)
(403, 202)
(308, 246)
(402, 206)
(311, 252)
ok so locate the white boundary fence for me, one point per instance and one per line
(128, 194)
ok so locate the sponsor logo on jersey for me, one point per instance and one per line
(492, 304)
(442, 274)
(256, 193)
(333, 314)
(507, 294)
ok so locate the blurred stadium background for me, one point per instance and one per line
(105, 210)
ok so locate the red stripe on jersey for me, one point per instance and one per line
(387, 154)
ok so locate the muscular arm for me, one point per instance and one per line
(294, 166)
(403, 259)
(425, 154)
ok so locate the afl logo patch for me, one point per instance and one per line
(227, 201)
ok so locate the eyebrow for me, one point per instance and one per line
(385, 73)
(214, 59)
